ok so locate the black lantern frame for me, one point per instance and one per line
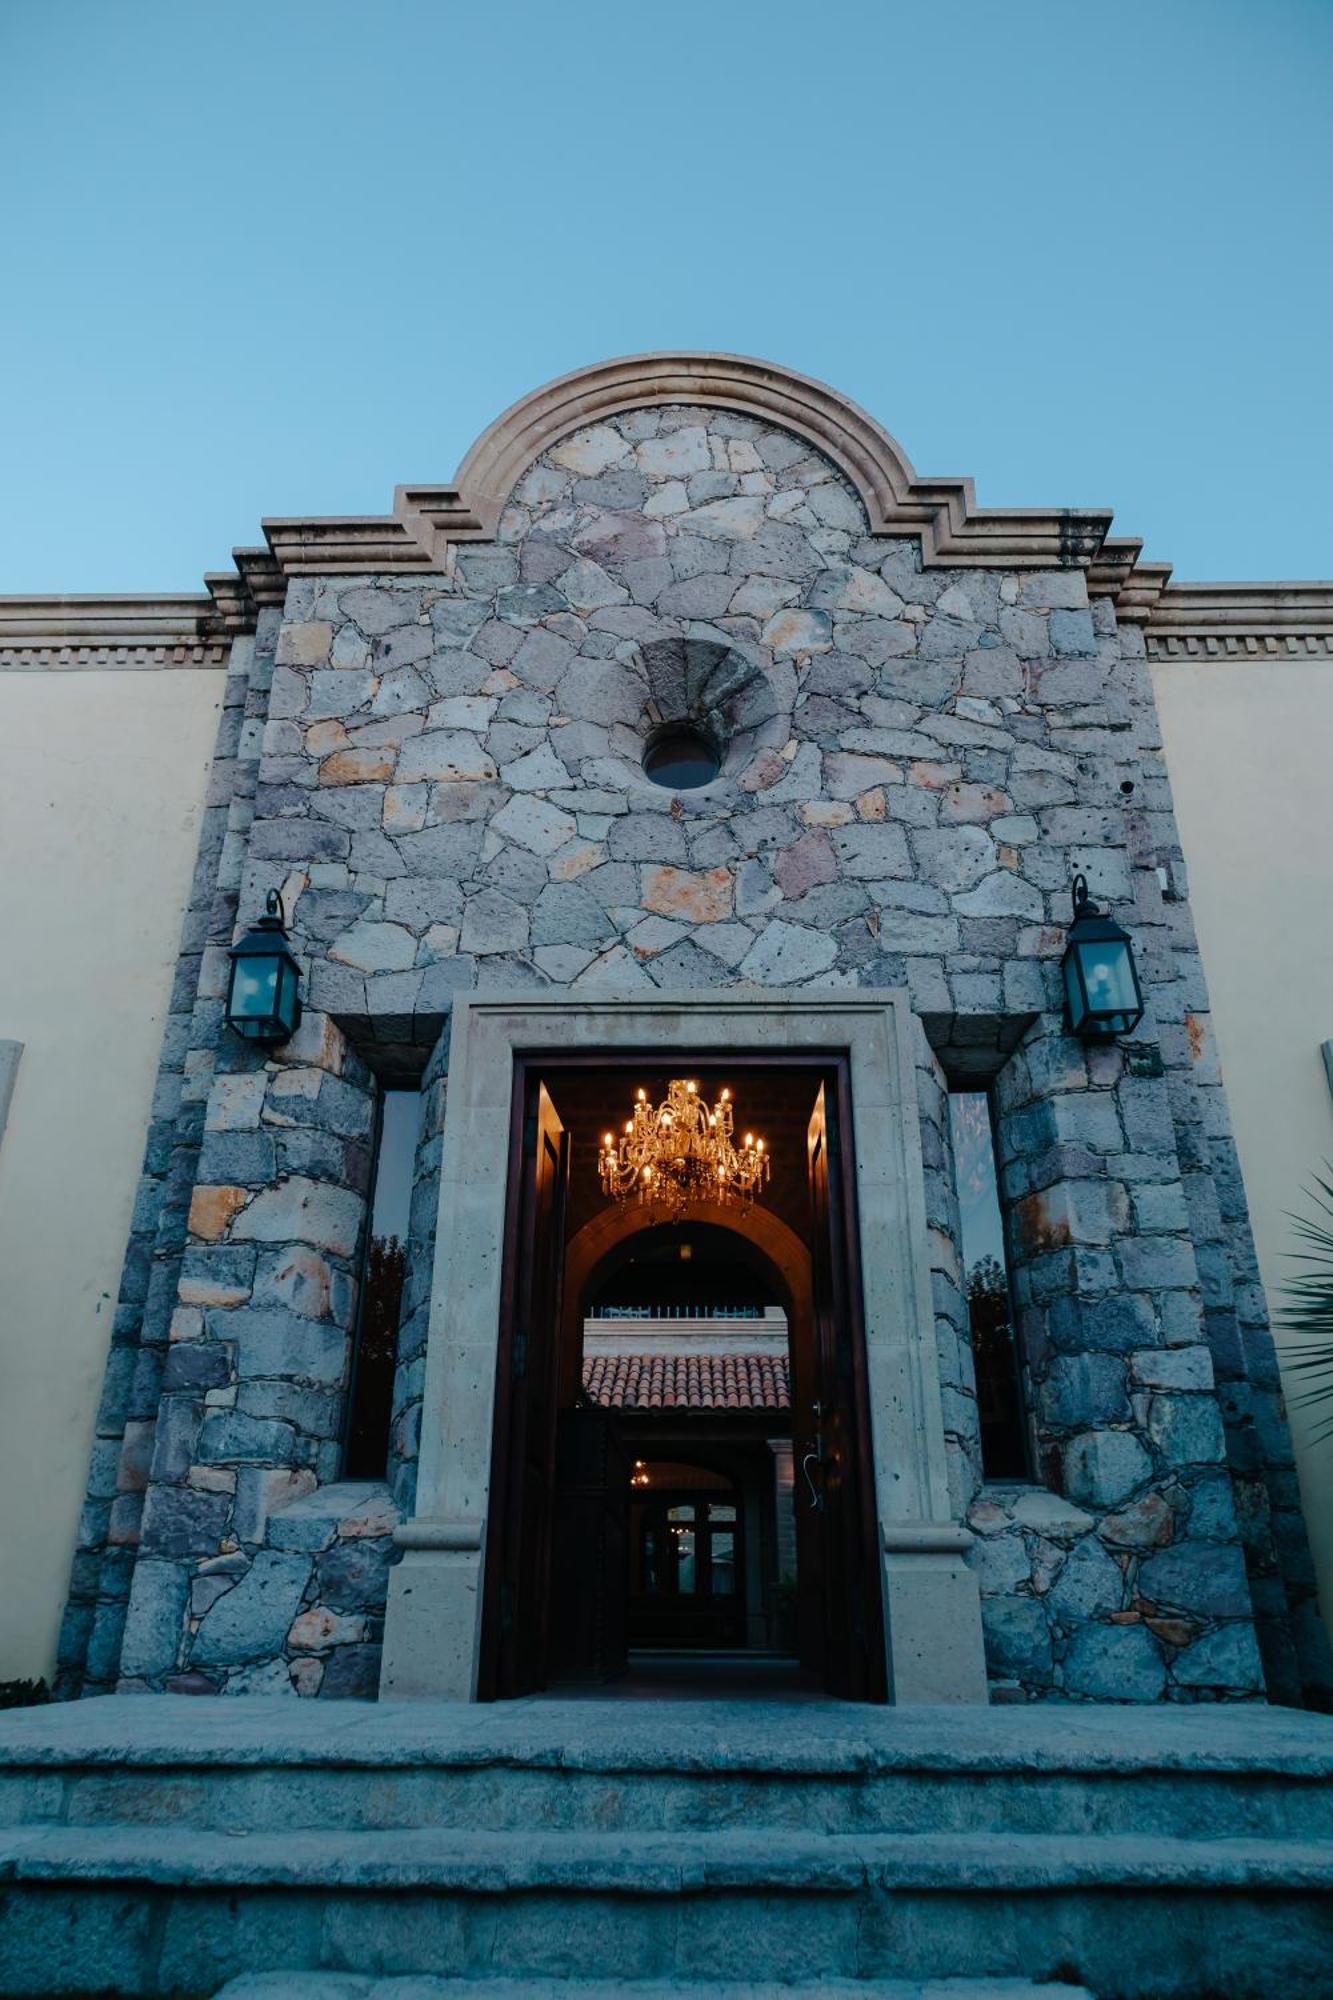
(1103, 998)
(264, 990)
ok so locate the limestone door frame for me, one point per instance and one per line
(432, 1634)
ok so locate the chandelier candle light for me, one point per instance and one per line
(680, 1150)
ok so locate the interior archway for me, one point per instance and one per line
(685, 1330)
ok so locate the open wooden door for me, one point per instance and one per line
(518, 1552)
(834, 1463)
(589, 1560)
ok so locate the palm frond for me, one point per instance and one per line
(1308, 1317)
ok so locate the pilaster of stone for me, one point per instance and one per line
(962, 1433)
(1131, 1584)
(1260, 1453)
(253, 1392)
(123, 1444)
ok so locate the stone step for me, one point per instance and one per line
(155, 1847)
(600, 1766)
(149, 1911)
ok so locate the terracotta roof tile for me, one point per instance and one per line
(742, 1381)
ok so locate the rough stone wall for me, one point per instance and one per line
(259, 1358)
(916, 763)
(1291, 1635)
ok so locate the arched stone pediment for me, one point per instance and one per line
(874, 463)
(943, 512)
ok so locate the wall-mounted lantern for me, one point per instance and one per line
(1103, 998)
(264, 992)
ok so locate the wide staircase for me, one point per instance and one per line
(345, 1851)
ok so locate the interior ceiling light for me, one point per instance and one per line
(680, 1151)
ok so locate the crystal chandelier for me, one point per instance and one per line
(680, 1150)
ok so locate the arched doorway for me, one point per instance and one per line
(701, 1337)
(681, 1336)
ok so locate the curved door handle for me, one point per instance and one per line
(813, 1457)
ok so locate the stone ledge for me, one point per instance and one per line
(679, 1862)
(804, 1737)
(353, 1986)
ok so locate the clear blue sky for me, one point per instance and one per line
(273, 258)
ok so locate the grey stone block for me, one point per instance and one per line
(1102, 1468)
(1198, 1578)
(154, 1626)
(1018, 1639)
(251, 1621)
(1115, 1663)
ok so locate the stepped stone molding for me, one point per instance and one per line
(944, 512)
(428, 522)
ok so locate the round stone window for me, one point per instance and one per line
(682, 758)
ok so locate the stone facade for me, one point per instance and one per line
(441, 768)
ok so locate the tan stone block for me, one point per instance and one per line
(825, 812)
(576, 860)
(306, 1676)
(697, 896)
(305, 644)
(207, 1292)
(973, 802)
(872, 804)
(357, 767)
(212, 1209)
(323, 738)
(318, 1628)
(318, 1041)
(211, 1478)
(376, 1516)
(765, 770)
(924, 771)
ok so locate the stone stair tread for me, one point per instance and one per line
(357, 1986)
(656, 1864)
(704, 1738)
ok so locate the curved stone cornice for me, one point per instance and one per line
(954, 531)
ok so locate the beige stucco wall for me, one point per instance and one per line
(101, 789)
(1250, 751)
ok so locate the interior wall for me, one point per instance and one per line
(102, 780)
(1248, 748)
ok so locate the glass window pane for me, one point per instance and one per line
(680, 1513)
(724, 1565)
(717, 1512)
(684, 1538)
(986, 1286)
(400, 1114)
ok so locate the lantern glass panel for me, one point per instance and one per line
(254, 992)
(1108, 976)
(288, 988)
